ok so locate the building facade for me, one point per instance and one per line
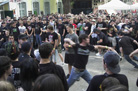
(22, 8)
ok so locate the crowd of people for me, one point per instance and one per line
(29, 47)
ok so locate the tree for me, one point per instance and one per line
(66, 6)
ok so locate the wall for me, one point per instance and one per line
(53, 6)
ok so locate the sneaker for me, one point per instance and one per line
(78, 79)
(62, 64)
(63, 49)
(98, 54)
(67, 76)
(121, 58)
(136, 67)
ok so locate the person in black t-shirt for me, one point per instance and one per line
(102, 39)
(82, 51)
(22, 39)
(127, 28)
(38, 33)
(111, 66)
(126, 47)
(101, 25)
(48, 67)
(3, 28)
(87, 27)
(52, 38)
(112, 30)
(29, 32)
(26, 48)
(16, 70)
(43, 30)
(14, 31)
(61, 31)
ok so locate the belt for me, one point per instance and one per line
(79, 70)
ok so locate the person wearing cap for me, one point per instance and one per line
(26, 48)
(5, 68)
(21, 39)
(14, 30)
(111, 66)
(92, 35)
(111, 33)
(3, 29)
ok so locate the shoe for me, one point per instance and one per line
(63, 49)
(62, 64)
(67, 76)
(121, 58)
(78, 79)
(98, 54)
(136, 67)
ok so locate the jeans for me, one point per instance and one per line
(76, 74)
(62, 42)
(38, 39)
(82, 32)
(130, 61)
(54, 56)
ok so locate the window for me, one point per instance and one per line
(59, 7)
(47, 8)
(22, 7)
(36, 8)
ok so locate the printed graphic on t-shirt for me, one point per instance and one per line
(111, 30)
(81, 28)
(14, 30)
(44, 27)
(50, 38)
(83, 52)
(29, 28)
(100, 25)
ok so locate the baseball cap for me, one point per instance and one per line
(112, 60)
(93, 20)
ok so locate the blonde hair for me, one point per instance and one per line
(6, 86)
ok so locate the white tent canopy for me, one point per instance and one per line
(114, 5)
(134, 6)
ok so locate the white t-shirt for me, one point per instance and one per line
(94, 35)
(22, 29)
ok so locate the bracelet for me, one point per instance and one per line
(69, 45)
(53, 48)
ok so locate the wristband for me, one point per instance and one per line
(69, 45)
(53, 48)
(106, 47)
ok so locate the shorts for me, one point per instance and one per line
(59, 48)
(69, 59)
(112, 40)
